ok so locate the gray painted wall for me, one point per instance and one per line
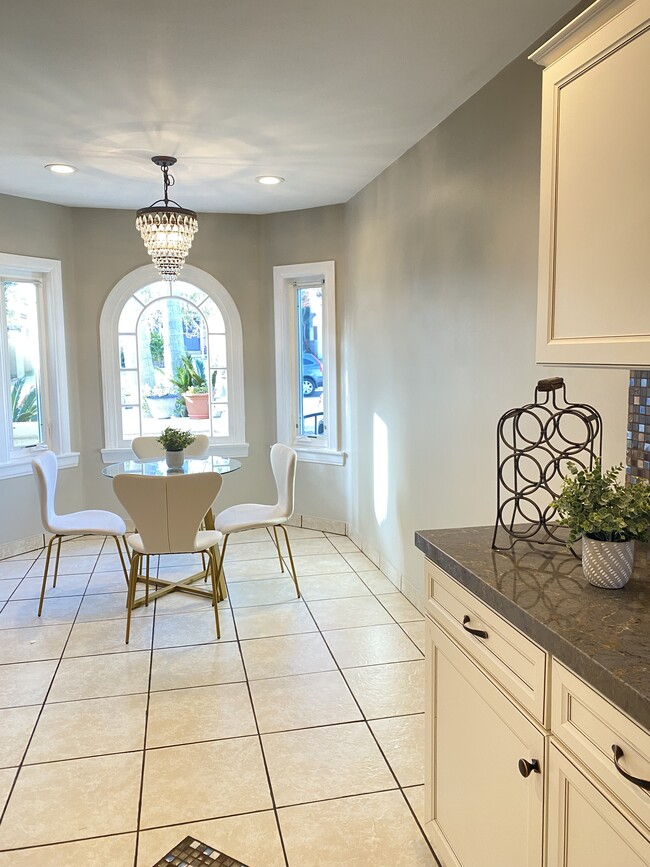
(438, 311)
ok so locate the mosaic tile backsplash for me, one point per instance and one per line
(638, 427)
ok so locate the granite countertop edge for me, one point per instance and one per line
(620, 693)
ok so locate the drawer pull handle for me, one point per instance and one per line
(528, 768)
(480, 633)
(618, 754)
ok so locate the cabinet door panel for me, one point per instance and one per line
(585, 829)
(483, 812)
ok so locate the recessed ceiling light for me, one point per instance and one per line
(60, 168)
(269, 180)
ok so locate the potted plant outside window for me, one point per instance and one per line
(174, 441)
(161, 401)
(609, 516)
(191, 383)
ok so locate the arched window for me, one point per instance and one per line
(172, 354)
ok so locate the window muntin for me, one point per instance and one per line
(33, 380)
(220, 350)
(305, 347)
(170, 334)
(21, 312)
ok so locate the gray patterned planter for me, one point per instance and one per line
(607, 564)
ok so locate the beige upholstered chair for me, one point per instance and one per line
(90, 522)
(148, 448)
(168, 510)
(249, 516)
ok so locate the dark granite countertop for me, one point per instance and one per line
(602, 635)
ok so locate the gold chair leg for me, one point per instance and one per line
(47, 566)
(277, 545)
(119, 551)
(221, 578)
(127, 549)
(56, 562)
(130, 598)
(146, 586)
(293, 565)
(215, 602)
(205, 568)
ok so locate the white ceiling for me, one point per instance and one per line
(325, 93)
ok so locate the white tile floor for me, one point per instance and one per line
(296, 740)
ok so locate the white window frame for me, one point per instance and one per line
(324, 448)
(53, 378)
(117, 448)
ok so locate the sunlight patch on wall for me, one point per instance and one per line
(380, 467)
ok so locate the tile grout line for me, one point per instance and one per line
(257, 726)
(146, 728)
(369, 727)
(40, 713)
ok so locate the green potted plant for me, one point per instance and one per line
(190, 381)
(174, 441)
(609, 516)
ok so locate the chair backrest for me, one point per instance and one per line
(167, 510)
(148, 448)
(283, 464)
(46, 470)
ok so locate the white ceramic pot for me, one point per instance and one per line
(607, 564)
(175, 459)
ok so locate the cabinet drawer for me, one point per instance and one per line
(511, 658)
(589, 726)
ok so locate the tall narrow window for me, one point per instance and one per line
(33, 386)
(176, 361)
(306, 381)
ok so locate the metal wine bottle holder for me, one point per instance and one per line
(535, 443)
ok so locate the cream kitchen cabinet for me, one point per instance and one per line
(519, 765)
(482, 810)
(594, 258)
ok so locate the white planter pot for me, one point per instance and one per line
(175, 459)
(607, 564)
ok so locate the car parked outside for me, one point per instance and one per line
(312, 373)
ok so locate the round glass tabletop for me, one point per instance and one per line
(211, 464)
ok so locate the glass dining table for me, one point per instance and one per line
(158, 467)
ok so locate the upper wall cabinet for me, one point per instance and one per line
(594, 266)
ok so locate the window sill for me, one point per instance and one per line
(227, 450)
(319, 456)
(23, 466)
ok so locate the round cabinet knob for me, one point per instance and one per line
(527, 768)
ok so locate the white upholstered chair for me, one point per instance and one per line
(168, 510)
(91, 522)
(148, 448)
(250, 516)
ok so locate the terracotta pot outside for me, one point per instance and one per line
(607, 564)
(197, 405)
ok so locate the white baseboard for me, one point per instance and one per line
(325, 525)
(21, 546)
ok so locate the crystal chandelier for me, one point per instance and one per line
(167, 229)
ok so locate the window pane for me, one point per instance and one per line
(129, 388)
(172, 351)
(128, 353)
(130, 422)
(21, 300)
(219, 385)
(129, 316)
(218, 350)
(154, 290)
(186, 290)
(213, 317)
(310, 366)
(219, 420)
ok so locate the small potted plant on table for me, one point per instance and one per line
(609, 517)
(174, 441)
